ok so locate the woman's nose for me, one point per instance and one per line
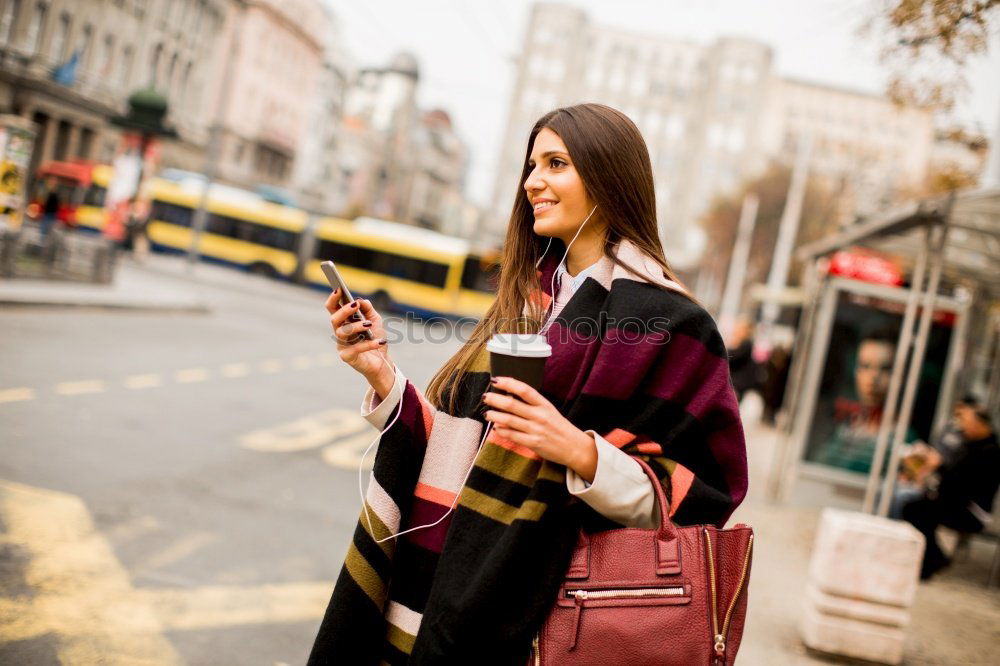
(533, 184)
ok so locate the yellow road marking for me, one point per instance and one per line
(346, 453)
(80, 592)
(226, 606)
(80, 387)
(176, 551)
(306, 433)
(185, 376)
(136, 382)
(270, 366)
(231, 370)
(302, 362)
(81, 595)
(17, 394)
(191, 375)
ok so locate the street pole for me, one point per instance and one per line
(787, 231)
(214, 141)
(733, 291)
(991, 176)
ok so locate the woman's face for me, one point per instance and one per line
(554, 189)
(874, 370)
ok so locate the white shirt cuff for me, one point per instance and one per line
(620, 491)
(378, 411)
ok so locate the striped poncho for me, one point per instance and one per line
(642, 365)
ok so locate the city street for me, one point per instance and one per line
(214, 456)
(179, 487)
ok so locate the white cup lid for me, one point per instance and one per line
(519, 344)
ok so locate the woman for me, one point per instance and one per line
(638, 369)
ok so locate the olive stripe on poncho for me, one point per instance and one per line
(642, 365)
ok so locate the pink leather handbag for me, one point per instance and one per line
(671, 595)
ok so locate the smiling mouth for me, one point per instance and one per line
(545, 205)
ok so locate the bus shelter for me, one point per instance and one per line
(878, 364)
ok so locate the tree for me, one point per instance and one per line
(949, 175)
(928, 42)
(819, 213)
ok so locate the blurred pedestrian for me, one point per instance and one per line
(966, 487)
(50, 207)
(137, 230)
(775, 379)
(743, 368)
(474, 585)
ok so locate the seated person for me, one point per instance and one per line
(920, 462)
(968, 483)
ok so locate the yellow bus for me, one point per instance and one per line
(241, 229)
(397, 266)
(402, 267)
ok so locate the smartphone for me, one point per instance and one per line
(337, 282)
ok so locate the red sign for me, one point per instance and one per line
(864, 266)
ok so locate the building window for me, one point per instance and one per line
(37, 27)
(125, 70)
(8, 18)
(183, 95)
(154, 66)
(60, 40)
(108, 57)
(86, 143)
(62, 140)
(86, 41)
(171, 72)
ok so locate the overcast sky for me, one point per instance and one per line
(466, 50)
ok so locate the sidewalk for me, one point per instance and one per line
(160, 283)
(954, 620)
(134, 287)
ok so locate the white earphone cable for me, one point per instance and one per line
(552, 282)
(361, 464)
(486, 430)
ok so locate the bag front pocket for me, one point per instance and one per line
(627, 605)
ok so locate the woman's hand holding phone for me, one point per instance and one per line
(368, 357)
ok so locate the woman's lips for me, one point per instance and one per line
(544, 209)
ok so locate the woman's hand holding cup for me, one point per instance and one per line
(368, 357)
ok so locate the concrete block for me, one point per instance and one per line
(866, 558)
(851, 638)
(856, 609)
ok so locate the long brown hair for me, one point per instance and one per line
(611, 157)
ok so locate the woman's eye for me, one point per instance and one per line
(556, 162)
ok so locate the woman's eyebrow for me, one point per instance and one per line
(549, 153)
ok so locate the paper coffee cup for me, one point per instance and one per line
(519, 355)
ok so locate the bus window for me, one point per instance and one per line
(280, 239)
(411, 268)
(94, 196)
(480, 275)
(221, 225)
(348, 255)
(171, 213)
(387, 263)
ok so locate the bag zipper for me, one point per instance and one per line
(626, 593)
(621, 593)
(535, 653)
(720, 637)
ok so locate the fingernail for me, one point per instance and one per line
(354, 304)
(493, 380)
(367, 324)
(382, 341)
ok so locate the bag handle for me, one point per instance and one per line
(668, 546)
(667, 549)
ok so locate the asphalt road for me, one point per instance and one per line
(179, 488)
